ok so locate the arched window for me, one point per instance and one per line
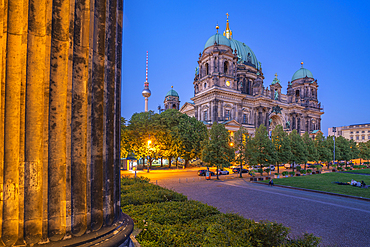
(174, 106)
(205, 85)
(196, 89)
(297, 93)
(226, 67)
(207, 71)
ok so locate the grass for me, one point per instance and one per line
(324, 182)
(365, 171)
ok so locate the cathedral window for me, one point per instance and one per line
(244, 118)
(357, 137)
(205, 115)
(352, 137)
(225, 67)
(297, 93)
(205, 85)
(227, 115)
(207, 70)
(363, 137)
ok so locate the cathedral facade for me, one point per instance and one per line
(229, 89)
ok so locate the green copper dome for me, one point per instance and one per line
(172, 93)
(245, 54)
(219, 39)
(302, 73)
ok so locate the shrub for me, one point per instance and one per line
(309, 170)
(347, 167)
(252, 173)
(292, 173)
(340, 169)
(285, 173)
(303, 171)
(267, 170)
(260, 171)
(298, 168)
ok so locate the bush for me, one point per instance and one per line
(340, 169)
(347, 168)
(285, 173)
(292, 173)
(298, 168)
(303, 171)
(309, 170)
(260, 171)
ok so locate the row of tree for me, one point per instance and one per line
(172, 134)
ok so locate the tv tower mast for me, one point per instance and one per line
(146, 92)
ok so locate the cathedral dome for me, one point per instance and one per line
(302, 73)
(172, 93)
(219, 39)
(245, 54)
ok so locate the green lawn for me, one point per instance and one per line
(324, 182)
(366, 171)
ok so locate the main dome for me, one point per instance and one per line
(302, 73)
(245, 53)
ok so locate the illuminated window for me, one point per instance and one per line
(227, 115)
(244, 118)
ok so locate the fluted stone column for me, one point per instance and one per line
(12, 123)
(34, 122)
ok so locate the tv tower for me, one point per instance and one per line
(146, 92)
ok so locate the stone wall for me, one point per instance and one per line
(60, 82)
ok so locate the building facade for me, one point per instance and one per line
(356, 132)
(229, 88)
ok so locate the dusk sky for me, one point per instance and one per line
(332, 38)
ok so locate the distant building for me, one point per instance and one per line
(356, 132)
(172, 100)
(229, 89)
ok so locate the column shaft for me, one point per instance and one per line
(97, 111)
(118, 77)
(57, 120)
(3, 21)
(34, 122)
(109, 99)
(12, 123)
(79, 120)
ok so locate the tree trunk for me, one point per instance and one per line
(161, 161)
(186, 163)
(176, 161)
(217, 172)
(169, 161)
(278, 167)
(150, 162)
(143, 163)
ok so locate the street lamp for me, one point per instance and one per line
(149, 142)
(334, 130)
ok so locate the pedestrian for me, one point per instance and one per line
(271, 182)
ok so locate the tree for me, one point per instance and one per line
(354, 150)
(141, 131)
(190, 134)
(217, 150)
(344, 149)
(322, 149)
(281, 143)
(167, 123)
(241, 138)
(364, 150)
(312, 154)
(264, 151)
(298, 148)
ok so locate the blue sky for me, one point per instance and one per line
(332, 38)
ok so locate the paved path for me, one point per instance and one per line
(339, 221)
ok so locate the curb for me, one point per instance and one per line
(318, 191)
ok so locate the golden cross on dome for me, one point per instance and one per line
(276, 75)
(227, 14)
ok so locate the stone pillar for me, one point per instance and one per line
(33, 206)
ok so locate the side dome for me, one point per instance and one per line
(219, 39)
(172, 93)
(302, 73)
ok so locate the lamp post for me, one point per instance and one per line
(241, 150)
(149, 142)
(334, 130)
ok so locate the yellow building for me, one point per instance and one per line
(356, 132)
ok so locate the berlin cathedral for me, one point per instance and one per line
(229, 89)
